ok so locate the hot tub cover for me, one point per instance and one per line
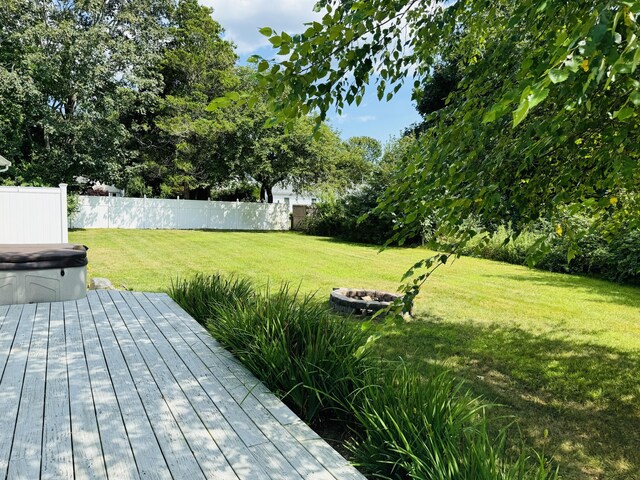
(42, 256)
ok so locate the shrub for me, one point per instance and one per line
(618, 260)
(339, 218)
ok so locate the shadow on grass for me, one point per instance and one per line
(378, 246)
(602, 290)
(586, 396)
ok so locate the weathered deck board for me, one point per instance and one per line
(57, 458)
(144, 444)
(180, 460)
(12, 381)
(27, 436)
(88, 461)
(175, 353)
(127, 385)
(116, 448)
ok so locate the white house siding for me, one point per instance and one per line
(285, 195)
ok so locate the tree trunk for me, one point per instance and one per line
(70, 105)
(266, 193)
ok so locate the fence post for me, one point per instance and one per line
(64, 221)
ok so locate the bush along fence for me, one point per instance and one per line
(617, 260)
(399, 424)
(177, 214)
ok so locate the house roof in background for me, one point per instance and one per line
(4, 162)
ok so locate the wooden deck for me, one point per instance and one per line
(126, 385)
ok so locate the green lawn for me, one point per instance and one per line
(561, 352)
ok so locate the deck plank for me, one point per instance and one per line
(88, 460)
(4, 310)
(205, 369)
(175, 448)
(15, 349)
(268, 412)
(126, 385)
(57, 453)
(278, 409)
(146, 451)
(243, 425)
(24, 461)
(8, 335)
(209, 456)
(199, 387)
(118, 455)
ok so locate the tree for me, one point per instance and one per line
(544, 120)
(196, 66)
(353, 215)
(368, 148)
(270, 154)
(433, 93)
(77, 68)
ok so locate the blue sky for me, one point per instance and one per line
(242, 19)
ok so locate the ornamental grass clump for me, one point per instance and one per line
(200, 295)
(310, 358)
(417, 428)
(401, 425)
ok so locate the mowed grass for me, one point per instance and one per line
(561, 352)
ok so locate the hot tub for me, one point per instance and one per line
(42, 273)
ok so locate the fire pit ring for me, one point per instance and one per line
(359, 301)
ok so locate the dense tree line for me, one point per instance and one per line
(115, 91)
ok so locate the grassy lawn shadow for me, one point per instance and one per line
(586, 395)
(599, 290)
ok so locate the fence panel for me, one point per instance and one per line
(154, 213)
(33, 215)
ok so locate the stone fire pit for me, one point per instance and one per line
(360, 302)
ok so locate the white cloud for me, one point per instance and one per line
(242, 19)
(345, 117)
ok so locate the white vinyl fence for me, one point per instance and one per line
(33, 215)
(152, 213)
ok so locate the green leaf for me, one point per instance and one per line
(537, 95)
(624, 113)
(218, 103)
(521, 112)
(266, 31)
(557, 75)
(276, 41)
(573, 63)
(489, 116)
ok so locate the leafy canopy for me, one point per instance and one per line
(70, 72)
(180, 148)
(270, 154)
